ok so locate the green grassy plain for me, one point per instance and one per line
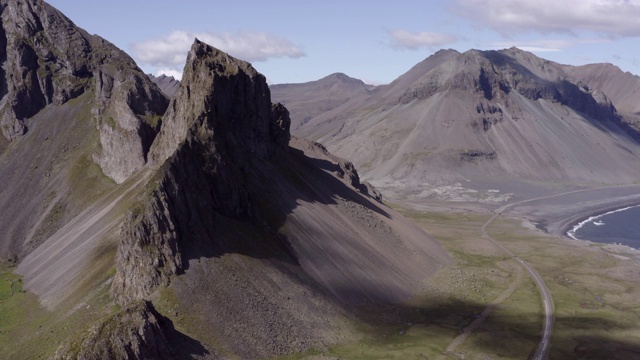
(593, 286)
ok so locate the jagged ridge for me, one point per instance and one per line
(219, 123)
(50, 61)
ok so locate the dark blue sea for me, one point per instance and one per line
(618, 226)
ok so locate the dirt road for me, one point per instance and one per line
(547, 301)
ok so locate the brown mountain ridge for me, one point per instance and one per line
(487, 117)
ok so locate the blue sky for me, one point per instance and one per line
(298, 41)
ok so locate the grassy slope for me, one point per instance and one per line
(27, 330)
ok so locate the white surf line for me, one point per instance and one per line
(572, 233)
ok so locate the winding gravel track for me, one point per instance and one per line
(549, 318)
(542, 350)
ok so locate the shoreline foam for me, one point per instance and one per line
(571, 233)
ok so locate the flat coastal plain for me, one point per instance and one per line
(484, 306)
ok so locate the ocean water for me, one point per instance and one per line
(618, 226)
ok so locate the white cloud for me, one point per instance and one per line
(613, 18)
(402, 39)
(171, 51)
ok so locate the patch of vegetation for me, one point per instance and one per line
(596, 315)
(88, 180)
(110, 121)
(153, 120)
(29, 331)
(513, 329)
(21, 322)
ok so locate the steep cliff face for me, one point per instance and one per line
(149, 252)
(220, 122)
(50, 61)
(128, 108)
(221, 100)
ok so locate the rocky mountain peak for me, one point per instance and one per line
(398, 86)
(221, 99)
(493, 75)
(47, 60)
(218, 126)
(168, 84)
(344, 78)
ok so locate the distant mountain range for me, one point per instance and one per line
(316, 97)
(480, 119)
(168, 84)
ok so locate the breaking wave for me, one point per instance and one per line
(572, 233)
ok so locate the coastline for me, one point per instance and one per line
(571, 232)
(553, 213)
(571, 221)
(556, 214)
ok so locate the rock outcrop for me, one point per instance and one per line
(149, 252)
(50, 61)
(219, 124)
(137, 332)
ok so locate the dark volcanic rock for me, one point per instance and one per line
(137, 332)
(149, 251)
(50, 61)
(348, 172)
(220, 122)
(221, 99)
(280, 125)
(368, 189)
